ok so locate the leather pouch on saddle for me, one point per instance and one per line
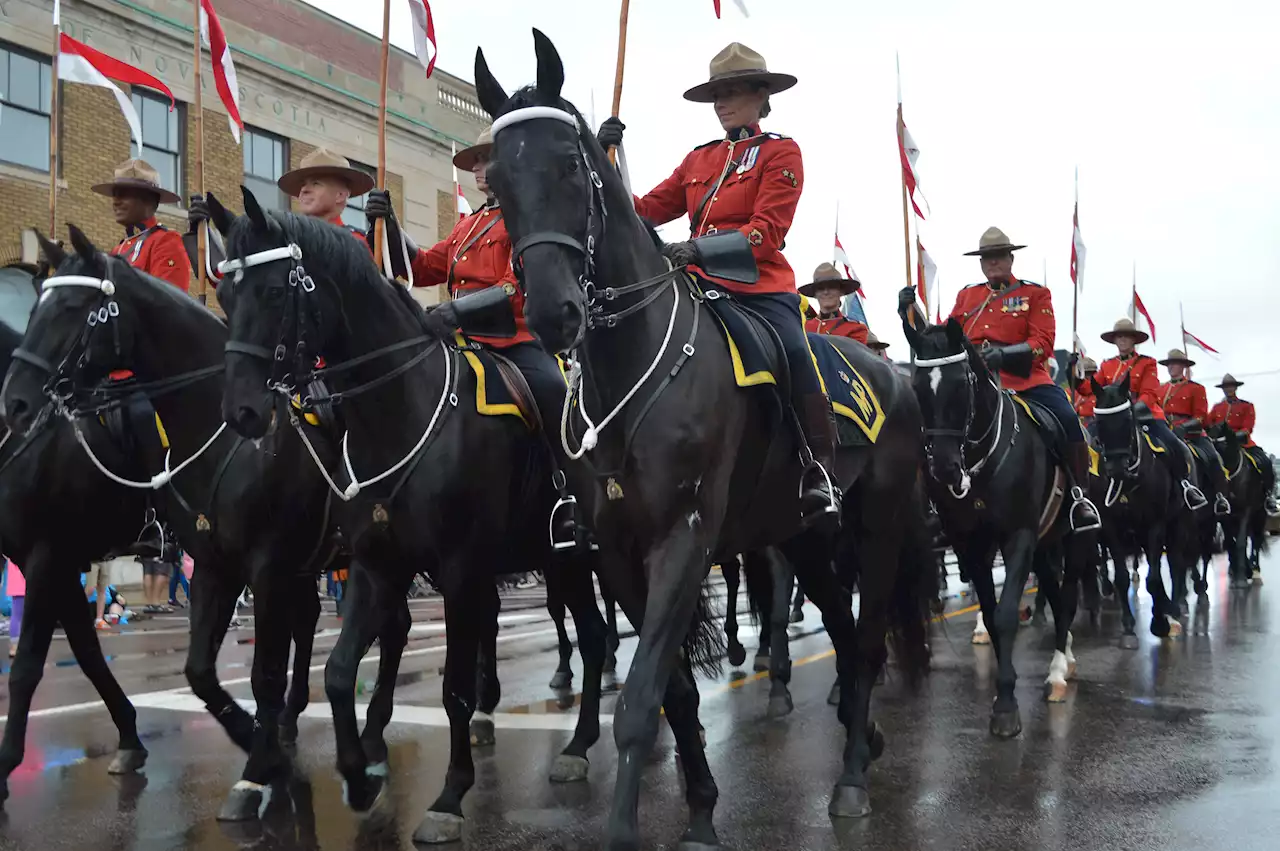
(1142, 413)
(1189, 429)
(727, 254)
(486, 313)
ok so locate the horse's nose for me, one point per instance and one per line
(15, 412)
(248, 423)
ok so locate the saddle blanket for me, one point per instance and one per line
(495, 395)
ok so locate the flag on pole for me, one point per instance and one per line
(842, 260)
(463, 207)
(57, 13)
(1140, 310)
(909, 153)
(224, 71)
(927, 280)
(1077, 244)
(80, 63)
(1189, 340)
(424, 34)
(741, 4)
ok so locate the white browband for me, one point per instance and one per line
(1118, 409)
(284, 252)
(102, 285)
(929, 363)
(517, 116)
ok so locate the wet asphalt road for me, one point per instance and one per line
(1174, 744)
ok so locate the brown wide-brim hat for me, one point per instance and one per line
(321, 163)
(1177, 356)
(1229, 380)
(466, 158)
(738, 63)
(827, 275)
(1088, 364)
(873, 342)
(994, 241)
(1125, 328)
(137, 174)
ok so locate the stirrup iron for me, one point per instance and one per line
(833, 492)
(569, 504)
(1189, 496)
(1078, 499)
(1221, 505)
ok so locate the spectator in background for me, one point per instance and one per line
(99, 577)
(156, 573)
(17, 585)
(179, 578)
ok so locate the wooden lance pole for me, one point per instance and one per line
(53, 132)
(202, 245)
(379, 227)
(617, 74)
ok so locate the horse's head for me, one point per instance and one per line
(546, 171)
(77, 333)
(279, 318)
(947, 369)
(1117, 426)
(1223, 437)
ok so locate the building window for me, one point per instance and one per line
(162, 138)
(265, 157)
(26, 90)
(353, 215)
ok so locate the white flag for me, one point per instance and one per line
(424, 34)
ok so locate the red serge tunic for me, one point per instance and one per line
(1019, 313)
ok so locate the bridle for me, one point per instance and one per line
(997, 424)
(1131, 470)
(285, 378)
(599, 301)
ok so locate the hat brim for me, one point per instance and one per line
(878, 346)
(993, 249)
(357, 181)
(846, 285)
(704, 92)
(1167, 361)
(108, 189)
(1225, 385)
(1138, 336)
(466, 158)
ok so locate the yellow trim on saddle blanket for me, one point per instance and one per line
(483, 406)
(1025, 407)
(870, 416)
(164, 435)
(1159, 450)
(1094, 458)
(740, 376)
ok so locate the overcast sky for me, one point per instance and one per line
(1171, 111)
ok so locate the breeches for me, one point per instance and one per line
(1052, 397)
(782, 312)
(1159, 429)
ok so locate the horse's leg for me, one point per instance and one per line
(972, 560)
(731, 570)
(680, 704)
(392, 638)
(1120, 564)
(563, 677)
(463, 596)
(1049, 582)
(781, 572)
(304, 615)
(1017, 548)
(578, 592)
(758, 573)
(213, 604)
(609, 677)
(368, 600)
(488, 686)
(675, 566)
(1160, 605)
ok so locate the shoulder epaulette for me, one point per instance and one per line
(971, 286)
(778, 136)
(1029, 283)
(709, 144)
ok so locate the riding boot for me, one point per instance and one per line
(1084, 514)
(819, 495)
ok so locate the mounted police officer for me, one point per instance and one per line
(1240, 416)
(1144, 387)
(1085, 368)
(751, 181)
(136, 193)
(829, 287)
(1186, 405)
(874, 343)
(1013, 319)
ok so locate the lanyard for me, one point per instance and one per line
(137, 246)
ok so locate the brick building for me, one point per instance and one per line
(306, 80)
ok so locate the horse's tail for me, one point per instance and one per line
(759, 582)
(704, 645)
(915, 585)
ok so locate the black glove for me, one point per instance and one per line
(681, 253)
(906, 298)
(197, 212)
(378, 206)
(994, 358)
(440, 323)
(610, 133)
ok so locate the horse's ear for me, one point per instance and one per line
(81, 243)
(219, 214)
(253, 209)
(912, 335)
(492, 96)
(1097, 388)
(54, 254)
(955, 333)
(550, 68)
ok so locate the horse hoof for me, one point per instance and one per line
(1257, 578)
(849, 802)
(368, 793)
(127, 761)
(561, 680)
(1175, 629)
(1072, 669)
(1006, 725)
(377, 769)
(243, 804)
(981, 638)
(1055, 692)
(609, 681)
(1129, 642)
(761, 663)
(482, 733)
(833, 696)
(1038, 619)
(438, 828)
(875, 741)
(569, 769)
(780, 705)
(1160, 628)
(797, 616)
(737, 654)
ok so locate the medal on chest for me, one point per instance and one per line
(749, 161)
(1015, 304)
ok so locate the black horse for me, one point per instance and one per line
(463, 497)
(1244, 531)
(1144, 510)
(693, 470)
(996, 484)
(248, 513)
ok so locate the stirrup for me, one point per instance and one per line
(833, 492)
(1221, 505)
(567, 505)
(1078, 499)
(1193, 496)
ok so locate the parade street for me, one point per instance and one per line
(1172, 745)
